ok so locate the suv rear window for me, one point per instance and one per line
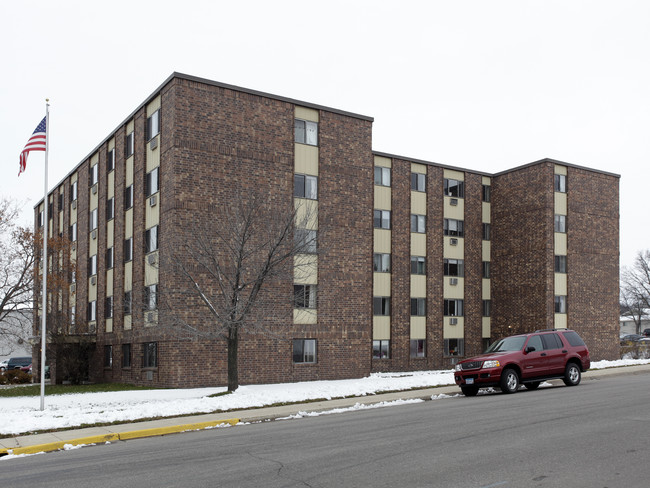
(574, 339)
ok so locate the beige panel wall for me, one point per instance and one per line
(306, 159)
(418, 202)
(418, 168)
(128, 223)
(454, 211)
(383, 162)
(486, 214)
(306, 114)
(305, 269)
(381, 328)
(110, 233)
(418, 286)
(456, 175)
(109, 325)
(128, 177)
(153, 155)
(305, 316)
(486, 327)
(560, 170)
(418, 244)
(561, 207)
(306, 213)
(153, 105)
(486, 250)
(152, 213)
(110, 190)
(561, 287)
(418, 328)
(560, 244)
(454, 252)
(453, 291)
(560, 321)
(128, 276)
(151, 269)
(127, 322)
(382, 198)
(382, 240)
(381, 284)
(454, 331)
(487, 295)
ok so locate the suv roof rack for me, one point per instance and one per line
(548, 330)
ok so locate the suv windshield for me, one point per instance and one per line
(514, 343)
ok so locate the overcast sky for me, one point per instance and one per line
(484, 85)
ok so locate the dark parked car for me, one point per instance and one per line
(646, 332)
(19, 363)
(526, 359)
(631, 338)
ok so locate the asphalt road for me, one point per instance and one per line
(596, 435)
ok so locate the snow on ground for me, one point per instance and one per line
(23, 414)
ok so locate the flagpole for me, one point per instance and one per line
(45, 266)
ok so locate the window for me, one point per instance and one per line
(487, 193)
(418, 348)
(109, 258)
(128, 145)
(73, 191)
(151, 297)
(110, 160)
(382, 176)
(486, 269)
(453, 308)
(381, 263)
(418, 307)
(94, 175)
(73, 315)
(560, 304)
(306, 132)
(454, 347)
(560, 264)
(453, 228)
(304, 296)
(127, 302)
(128, 197)
(126, 355)
(128, 249)
(150, 355)
(454, 188)
(418, 181)
(381, 219)
(61, 201)
(304, 350)
(560, 183)
(453, 267)
(487, 308)
(92, 265)
(92, 219)
(151, 239)
(110, 208)
(418, 265)
(487, 232)
(551, 341)
(41, 219)
(560, 223)
(381, 306)
(305, 241)
(153, 125)
(108, 308)
(151, 183)
(305, 186)
(381, 349)
(108, 356)
(73, 232)
(92, 311)
(418, 223)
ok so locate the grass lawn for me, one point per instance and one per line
(35, 390)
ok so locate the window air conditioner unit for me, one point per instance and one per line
(151, 259)
(94, 189)
(73, 288)
(153, 144)
(93, 280)
(149, 375)
(93, 234)
(150, 317)
(453, 241)
(73, 205)
(454, 201)
(153, 200)
(453, 321)
(453, 281)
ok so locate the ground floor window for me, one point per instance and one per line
(108, 356)
(304, 350)
(454, 347)
(381, 349)
(418, 348)
(126, 355)
(150, 355)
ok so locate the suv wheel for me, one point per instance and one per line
(509, 381)
(572, 374)
(469, 390)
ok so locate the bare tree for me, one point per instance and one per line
(635, 289)
(237, 269)
(16, 276)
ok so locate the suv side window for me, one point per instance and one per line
(551, 341)
(573, 338)
(536, 342)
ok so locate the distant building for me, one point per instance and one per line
(15, 332)
(628, 325)
(424, 264)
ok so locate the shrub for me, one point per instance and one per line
(15, 377)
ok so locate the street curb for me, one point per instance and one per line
(122, 436)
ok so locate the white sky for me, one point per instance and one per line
(484, 85)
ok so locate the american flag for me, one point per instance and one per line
(35, 143)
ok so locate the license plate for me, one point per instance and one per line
(469, 381)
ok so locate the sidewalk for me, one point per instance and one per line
(30, 444)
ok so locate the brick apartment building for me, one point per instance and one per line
(422, 263)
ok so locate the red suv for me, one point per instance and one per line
(526, 359)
